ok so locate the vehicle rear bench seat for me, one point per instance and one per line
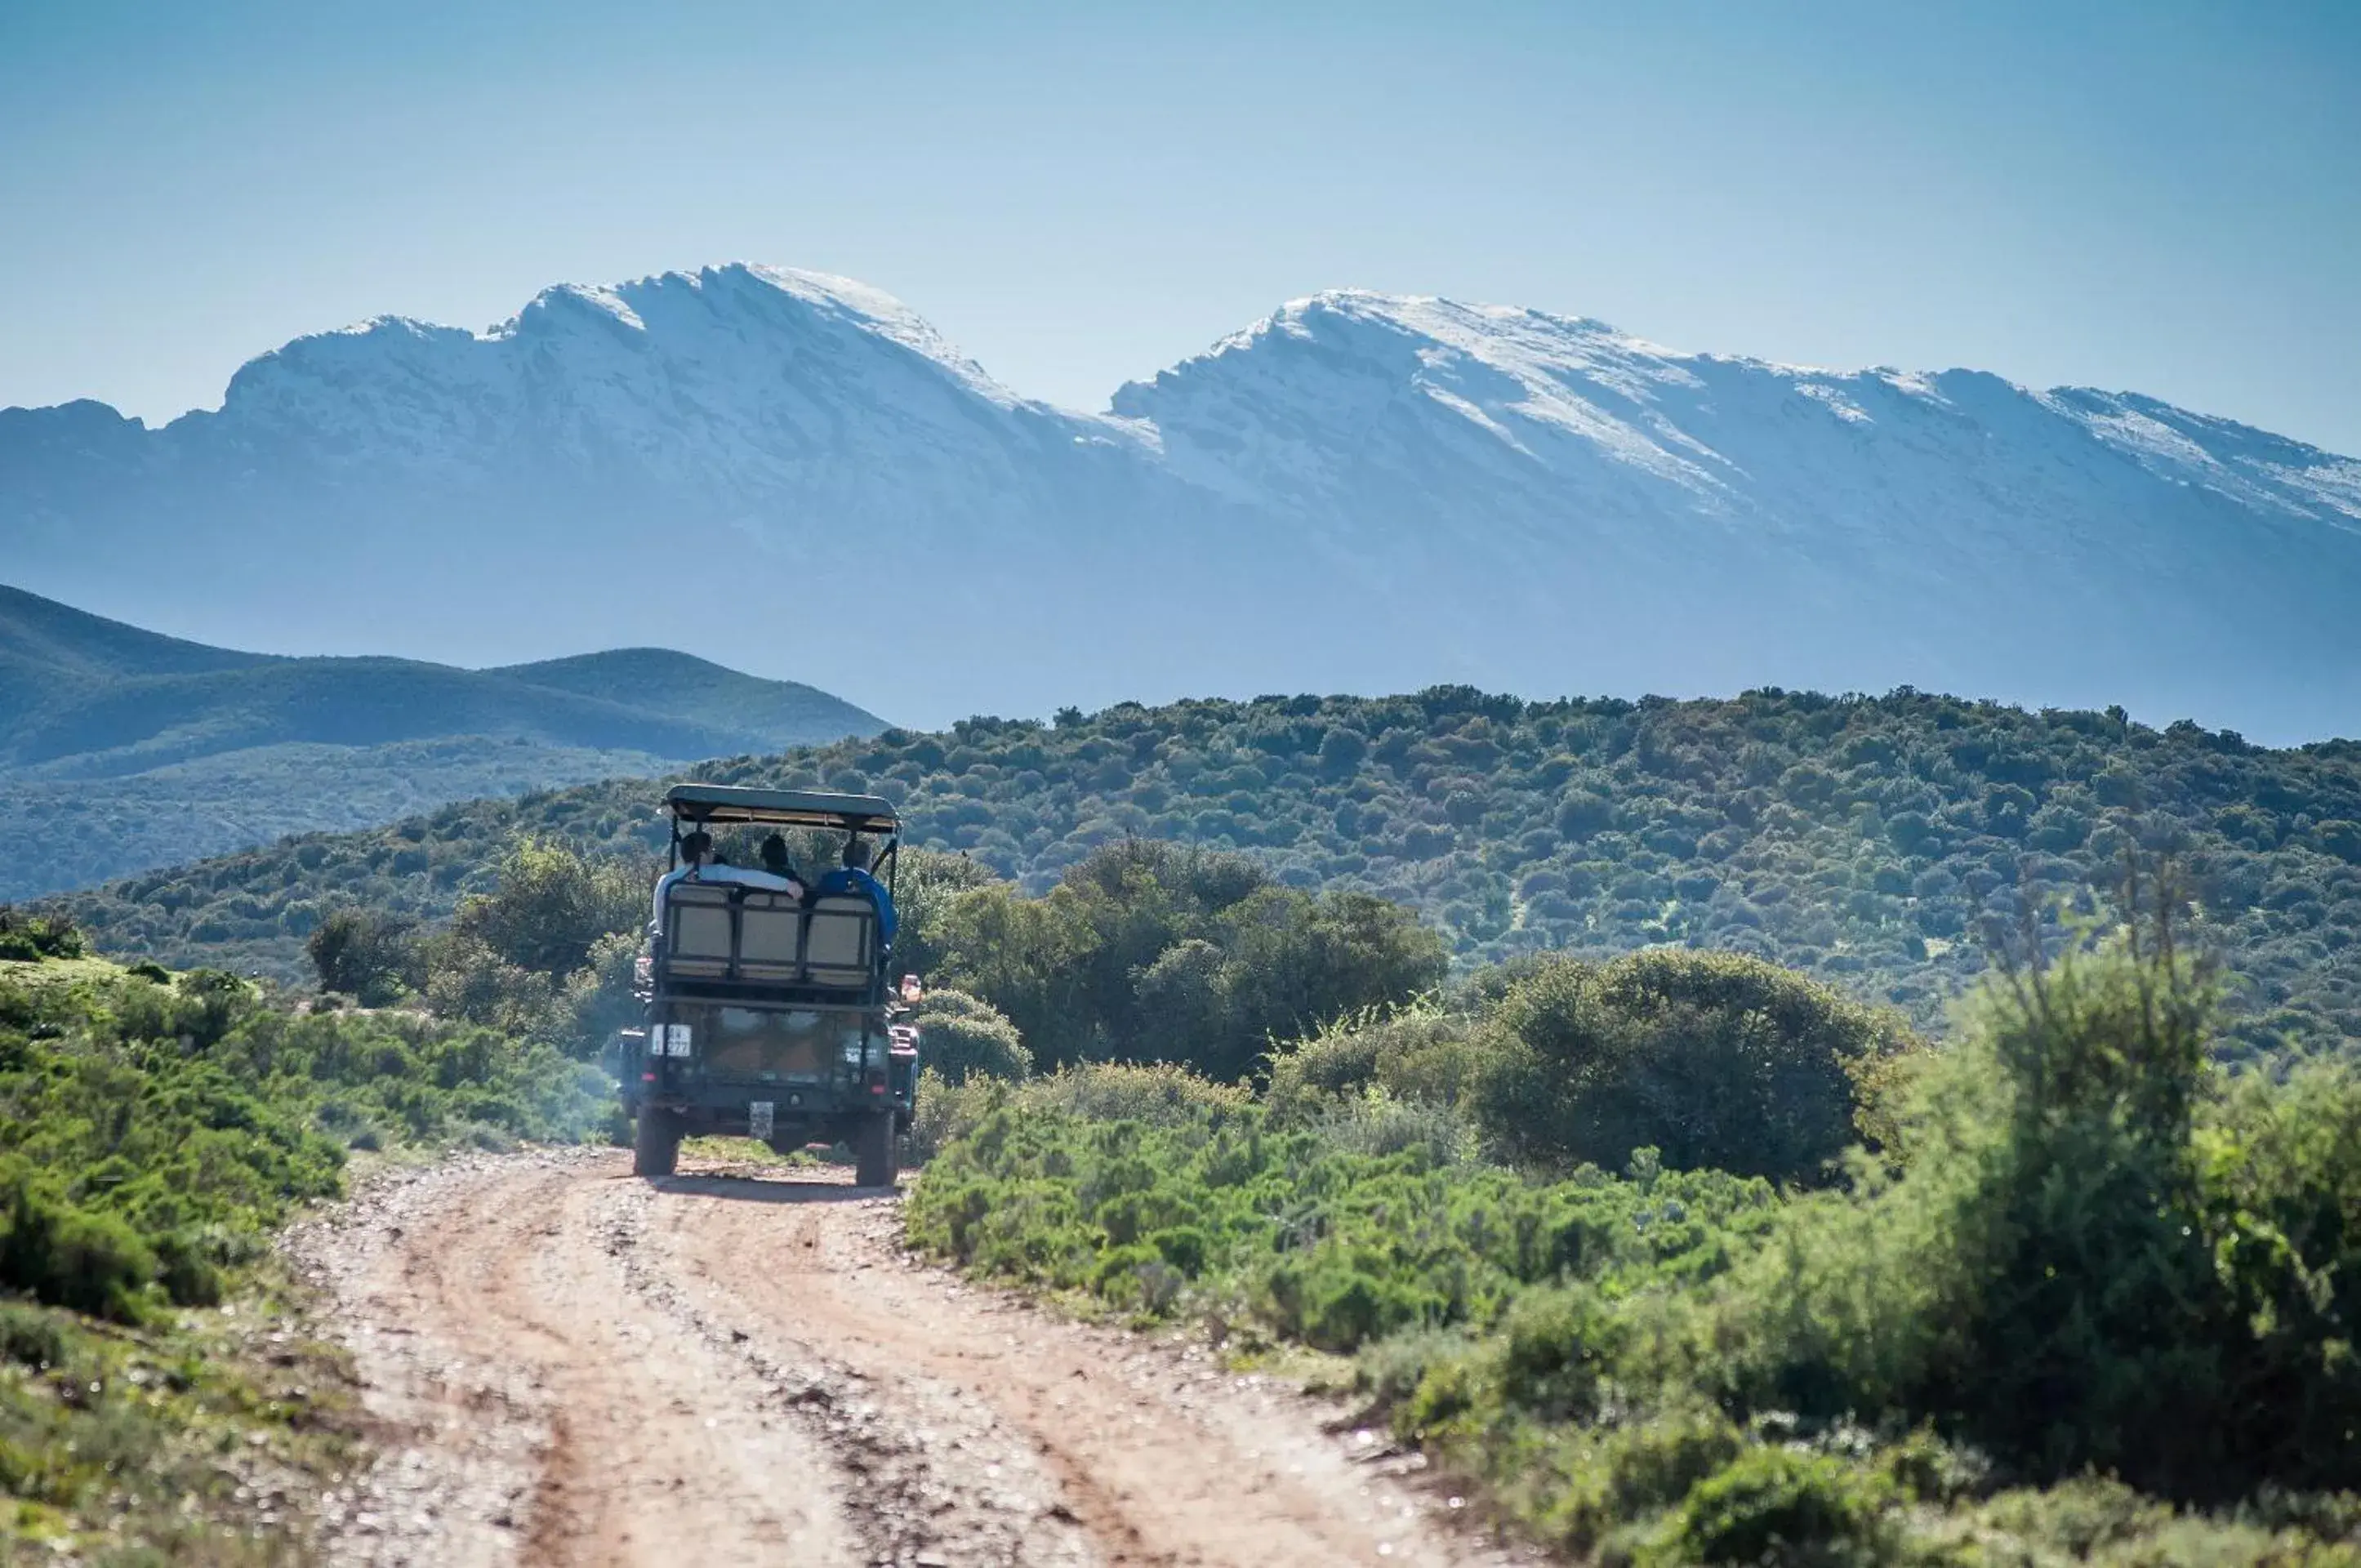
(720, 932)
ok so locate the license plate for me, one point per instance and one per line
(758, 1117)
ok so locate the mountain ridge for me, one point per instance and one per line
(151, 745)
(1360, 490)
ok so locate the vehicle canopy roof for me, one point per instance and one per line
(704, 803)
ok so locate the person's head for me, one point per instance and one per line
(856, 854)
(775, 855)
(697, 847)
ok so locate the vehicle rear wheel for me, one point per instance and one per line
(874, 1153)
(657, 1148)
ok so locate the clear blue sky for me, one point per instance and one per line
(2152, 195)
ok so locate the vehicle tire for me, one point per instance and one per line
(657, 1148)
(876, 1161)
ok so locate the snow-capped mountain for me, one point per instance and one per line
(787, 471)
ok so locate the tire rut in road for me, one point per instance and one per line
(576, 1367)
(489, 1324)
(1158, 1455)
(928, 1479)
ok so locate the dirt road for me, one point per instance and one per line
(573, 1366)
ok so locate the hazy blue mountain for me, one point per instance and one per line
(787, 471)
(121, 750)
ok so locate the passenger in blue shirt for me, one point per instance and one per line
(853, 877)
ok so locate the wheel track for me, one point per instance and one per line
(579, 1368)
(910, 1496)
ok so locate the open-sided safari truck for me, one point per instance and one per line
(770, 1015)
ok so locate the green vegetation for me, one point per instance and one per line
(204, 1439)
(155, 1130)
(2089, 1299)
(966, 1037)
(1148, 953)
(1620, 1171)
(154, 1133)
(546, 957)
(1708, 1058)
(1867, 841)
(32, 938)
(1144, 952)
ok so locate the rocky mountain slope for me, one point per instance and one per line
(785, 470)
(122, 749)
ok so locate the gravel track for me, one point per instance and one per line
(572, 1366)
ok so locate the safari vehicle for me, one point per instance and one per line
(768, 1015)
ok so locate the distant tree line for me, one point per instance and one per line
(1871, 842)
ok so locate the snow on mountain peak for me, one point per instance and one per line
(1426, 489)
(1348, 363)
(2252, 466)
(569, 300)
(743, 346)
(782, 304)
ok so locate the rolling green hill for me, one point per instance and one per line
(122, 749)
(46, 648)
(1869, 841)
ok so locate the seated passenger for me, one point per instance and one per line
(694, 850)
(775, 861)
(698, 863)
(853, 877)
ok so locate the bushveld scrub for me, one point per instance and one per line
(1147, 951)
(966, 1037)
(2090, 1300)
(1864, 840)
(32, 938)
(1708, 1058)
(152, 1134)
(201, 1441)
(1146, 1188)
(154, 1131)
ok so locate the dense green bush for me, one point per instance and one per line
(56, 1252)
(1709, 1058)
(925, 884)
(1866, 840)
(370, 958)
(1421, 1052)
(1714, 1059)
(152, 1134)
(1148, 951)
(551, 905)
(546, 955)
(1776, 1505)
(2096, 1259)
(962, 1037)
(31, 938)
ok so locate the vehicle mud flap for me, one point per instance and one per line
(876, 1156)
(655, 1149)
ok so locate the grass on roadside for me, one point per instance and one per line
(160, 1400)
(205, 1436)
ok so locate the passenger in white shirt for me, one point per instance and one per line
(695, 865)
